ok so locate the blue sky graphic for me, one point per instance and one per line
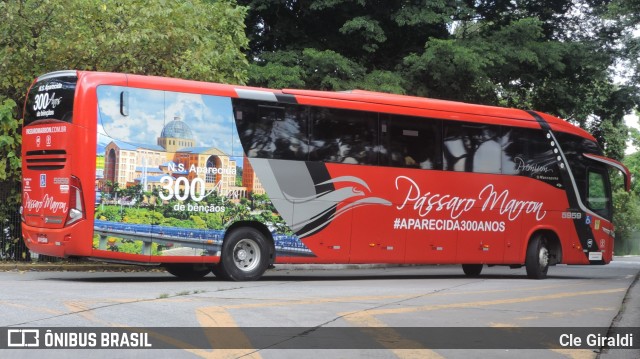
(209, 117)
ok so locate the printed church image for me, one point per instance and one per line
(175, 154)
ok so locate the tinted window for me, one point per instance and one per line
(573, 147)
(269, 130)
(528, 152)
(51, 98)
(597, 195)
(470, 147)
(343, 136)
(410, 142)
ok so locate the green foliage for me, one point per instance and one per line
(626, 219)
(109, 213)
(367, 28)
(186, 39)
(552, 56)
(632, 162)
(141, 216)
(449, 69)
(196, 39)
(10, 140)
(10, 163)
(555, 56)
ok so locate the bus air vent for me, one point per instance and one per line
(46, 160)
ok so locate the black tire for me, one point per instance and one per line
(537, 261)
(245, 255)
(472, 270)
(188, 270)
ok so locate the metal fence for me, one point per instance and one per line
(629, 246)
(12, 246)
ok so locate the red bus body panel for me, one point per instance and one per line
(395, 215)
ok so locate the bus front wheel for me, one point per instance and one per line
(537, 261)
(245, 255)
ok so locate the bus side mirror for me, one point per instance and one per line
(615, 164)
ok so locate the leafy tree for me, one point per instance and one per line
(196, 39)
(632, 161)
(199, 222)
(559, 57)
(552, 56)
(187, 39)
(626, 219)
(10, 165)
(9, 141)
(109, 213)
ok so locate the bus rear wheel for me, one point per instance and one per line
(188, 270)
(472, 270)
(245, 255)
(537, 262)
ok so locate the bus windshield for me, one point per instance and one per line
(51, 97)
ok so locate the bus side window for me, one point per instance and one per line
(288, 133)
(528, 152)
(597, 198)
(272, 131)
(343, 136)
(410, 142)
(471, 147)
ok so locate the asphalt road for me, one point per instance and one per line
(380, 298)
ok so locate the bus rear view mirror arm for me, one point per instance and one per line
(615, 164)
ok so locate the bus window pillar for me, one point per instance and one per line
(146, 248)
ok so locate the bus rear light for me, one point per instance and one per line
(76, 205)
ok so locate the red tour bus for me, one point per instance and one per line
(203, 177)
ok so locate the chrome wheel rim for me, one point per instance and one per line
(543, 257)
(246, 255)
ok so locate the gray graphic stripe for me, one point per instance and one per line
(260, 95)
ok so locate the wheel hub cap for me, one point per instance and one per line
(544, 257)
(241, 255)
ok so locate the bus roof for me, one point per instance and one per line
(341, 99)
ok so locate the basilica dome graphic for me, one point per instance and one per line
(178, 129)
(174, 154)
